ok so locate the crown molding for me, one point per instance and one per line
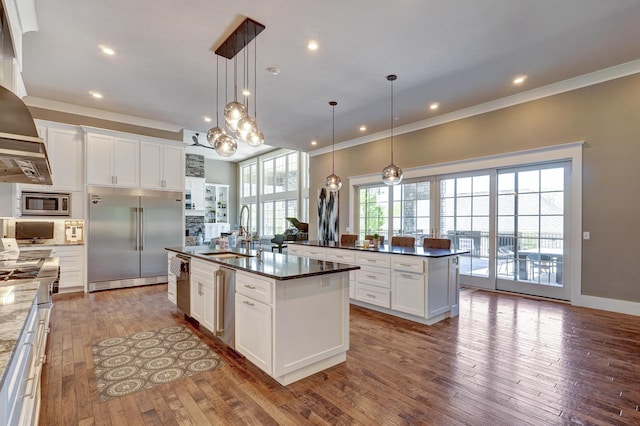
(579, 82)
(36, 102)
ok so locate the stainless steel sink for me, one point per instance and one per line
(222, 255)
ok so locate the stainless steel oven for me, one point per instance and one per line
(46, 204)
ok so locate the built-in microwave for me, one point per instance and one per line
(46, 204)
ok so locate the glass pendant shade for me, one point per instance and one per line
(234, 112)
(392, 175)
(333, 183)
(214, 133)
(225, 146)
(246, 126)
(255, 138)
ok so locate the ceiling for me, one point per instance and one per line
(459, 53)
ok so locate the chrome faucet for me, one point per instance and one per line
(244, 230)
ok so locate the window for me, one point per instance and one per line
(275, 186)
(374, 211)
(412, 210)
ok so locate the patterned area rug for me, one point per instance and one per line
(124, 365)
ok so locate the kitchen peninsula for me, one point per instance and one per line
(291, 312)
(415, 283)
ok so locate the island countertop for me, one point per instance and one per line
(272, 265)
(387, 248)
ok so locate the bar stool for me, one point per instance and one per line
(403, 241)
(437, 243)
(348, 239)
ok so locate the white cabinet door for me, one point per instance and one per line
(438, 287)
(194, 193)
(126, 162)
(72, 270)
(173, 165)
(66, 156)
(100, 159)
(209, 311)
(407, 293)
(112, 161)
(151, 165)
(254, 332)
(197, 298)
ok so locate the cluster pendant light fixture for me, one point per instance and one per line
(392, 174)
(236, 115)
(333, 183)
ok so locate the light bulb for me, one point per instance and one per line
(246, 126)
(392, 175)
(256, 138)
(214, 133)
(234, 112)
(225, 146)
(333, 183)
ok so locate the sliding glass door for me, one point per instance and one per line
(531, 230)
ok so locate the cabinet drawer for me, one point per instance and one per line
(408, 263)
(373, 259)
(315, 253)
(374, 276)
(342, 256)
(295, 249)
(374, 295)
(255, 288)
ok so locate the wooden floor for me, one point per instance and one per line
(505, 360)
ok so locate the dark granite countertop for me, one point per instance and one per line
(409, 251)
(273, 265)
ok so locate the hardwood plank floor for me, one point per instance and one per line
(505, 360)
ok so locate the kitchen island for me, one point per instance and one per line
(414, 283)
(291, 312)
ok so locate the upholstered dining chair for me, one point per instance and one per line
(370, 237)
(437, 243)
(348, 239)
(403, 241)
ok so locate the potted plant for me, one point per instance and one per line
(376, 241)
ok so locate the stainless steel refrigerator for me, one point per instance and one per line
(128, 233)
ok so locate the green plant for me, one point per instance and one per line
(376, 236)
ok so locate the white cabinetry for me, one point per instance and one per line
(21, 390)
(9, 200)
(161, 166)
(408, 285)
(280, 328)
(194, 196)
(348, 257)
(203, 300)
(112, 161)
(312, 252)
(66, 158)
(72, 272)
(373, 279)
(254, 328)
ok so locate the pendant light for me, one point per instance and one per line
(234, 111)
(246, 125)
(215, 132)
(255, 137)
(392, 174)
(333, 183)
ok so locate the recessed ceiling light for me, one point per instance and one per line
(314, 143)
(363, 128)
(107, 50)
(96, 95)
(520, 79)
(246, 92)
(312, 45)
(207, 119)
(434, 105)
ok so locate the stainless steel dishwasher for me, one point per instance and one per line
(225, 288)
(183, 285)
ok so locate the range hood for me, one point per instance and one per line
(23, 155)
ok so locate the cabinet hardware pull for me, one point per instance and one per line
(251, 287)
(407, 276)
(246, 302)
(373, 296)
(373, 277)
(405, 264)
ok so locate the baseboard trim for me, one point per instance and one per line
(605, 304)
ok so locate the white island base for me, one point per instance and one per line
(294, 328)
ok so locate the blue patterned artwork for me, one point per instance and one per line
(327, 215)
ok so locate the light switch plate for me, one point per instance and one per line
(586, 235)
